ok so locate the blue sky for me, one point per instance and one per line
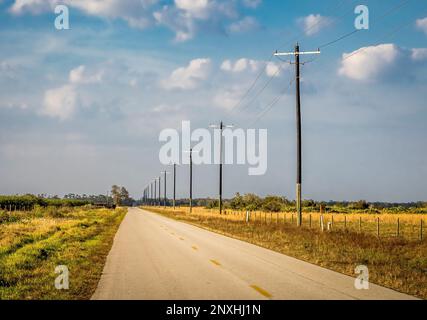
(82, 109)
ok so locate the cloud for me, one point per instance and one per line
(187, 17)
(252, 3)
(369, 63)
(314, 23)
(189, 77)
(60, 102)
(228, 98)
(135, 13)
(184, 17)
(80, 75)
(248, 65)
(195, 8)
(419, 54)
(422, 24)
(244, 25)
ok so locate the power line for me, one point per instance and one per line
(271, 78)
(387, 13)
(272, 104)
(304, 34)
(391, 34)
(265, 63)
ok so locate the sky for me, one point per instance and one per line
(82, 109)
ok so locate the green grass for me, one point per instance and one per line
(33, 244)
(397, 263)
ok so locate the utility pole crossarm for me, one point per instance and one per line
(281, 54)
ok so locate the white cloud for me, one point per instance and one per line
(252, 3)
(190, 77)
(228, 98)
(248, 65)
(187, 17)
(80, 75)
(369, 63)
(135, 13)
(195, 8)
(314, 23)
(244, 25)
(422, 24)
(184, 17)
(60, 102)
(419, 54)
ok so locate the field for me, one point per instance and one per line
(410, 226)
(396, 259)
(33, 243)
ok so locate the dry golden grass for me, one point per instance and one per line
(399, 263)
(404, 225)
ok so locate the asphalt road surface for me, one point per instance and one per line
(157, 258)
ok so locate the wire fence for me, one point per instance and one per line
(406, 226)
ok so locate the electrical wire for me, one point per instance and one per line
(272, 104)
(390, 11)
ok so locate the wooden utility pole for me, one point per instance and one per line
(160, 188)
(165, 183)
(221, 163)
(297, 53)
(174, 186)
(191, 180)
(155, 192)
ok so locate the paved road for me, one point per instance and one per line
(157, 258)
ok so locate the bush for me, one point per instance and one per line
(29, 202)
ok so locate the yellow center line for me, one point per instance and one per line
(261, 291)
(215, 262)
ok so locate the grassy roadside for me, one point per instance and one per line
(33, 244)
(396, 263)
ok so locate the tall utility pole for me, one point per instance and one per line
(191, 180)
(174, 186)
(160, 191)
(297, 53)
(165, 183)
(155, 192)
(151, 193)
(221, 128)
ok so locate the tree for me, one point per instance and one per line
(116, 194)
(272, 204)
(252, 202)
(237, 202)
(124, 194)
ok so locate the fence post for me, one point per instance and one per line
(345, 222)
(322, 224)
(360, 224)
(398, 227)
(292, 218)
(421, 230)
(378, 227)
(310, 221)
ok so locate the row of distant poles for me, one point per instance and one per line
(152, 193)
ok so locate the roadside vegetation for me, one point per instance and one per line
(396, 259)
(62, 232)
